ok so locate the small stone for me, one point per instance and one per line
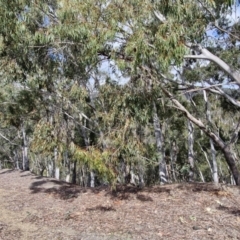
(196, 228)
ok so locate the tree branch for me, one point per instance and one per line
(207, 55)
(1, 135)
(219, 91)
(194, 120)
(159, 16)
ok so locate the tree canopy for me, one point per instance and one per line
(64, 114)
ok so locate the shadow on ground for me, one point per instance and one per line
(101, 208)
(8, 171)
(57, 188)
(65, 191)
(232, 210)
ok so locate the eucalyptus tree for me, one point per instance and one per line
(37, 50)
(145, 39)
(160, 34)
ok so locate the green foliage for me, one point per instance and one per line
(48, 68)
(44, 140)
(100, 162)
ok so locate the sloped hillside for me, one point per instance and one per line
(32, 207)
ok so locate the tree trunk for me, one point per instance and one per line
(87, 144)
(173, 158)
(160, 146)
(56, 170)
(67, 167)
(92, 179)
(206, 156)
(25, 161)
(190, 151)
(214, 163)
(141, 183)
(16, 160)
(231, 162)
(53, 162)
(191, 173)
(84, 177)
(74, 172)
(213, 152)
(201, 174)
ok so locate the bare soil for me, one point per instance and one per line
(33, 207)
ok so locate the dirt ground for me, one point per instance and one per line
(32, 207)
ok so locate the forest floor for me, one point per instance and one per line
(33, 207)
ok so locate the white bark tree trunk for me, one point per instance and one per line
(92, 179)
(213, 151)
(87, 144)
(191, 160)
(56, 169)
(214, 163)
(25, 161)
(16, 160)
(190, 151)
(173, 157)
(67, 167)
(201, 175)
(160, 146)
